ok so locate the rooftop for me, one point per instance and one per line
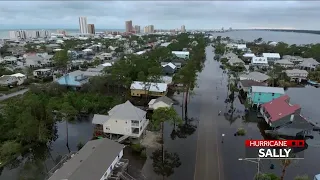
(264, 89)
(180, 52)
(91, 162)
(125, 111)
(257, 76)
(271, 55)
(154, 87)
(249, 83)
(280, 107)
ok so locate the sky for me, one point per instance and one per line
(162, 14)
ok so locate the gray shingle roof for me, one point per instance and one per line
(164, 99)
(99, 119)
(256, 76)
(91, 162)
(126, 111)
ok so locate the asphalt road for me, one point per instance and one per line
(209, 164)
(5, 97)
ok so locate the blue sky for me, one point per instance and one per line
(162, 14)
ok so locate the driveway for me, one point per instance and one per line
(5, 97)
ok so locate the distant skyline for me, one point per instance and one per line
(162, 14)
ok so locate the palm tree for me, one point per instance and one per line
(285, 163)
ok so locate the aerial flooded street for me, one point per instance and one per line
(208, 149)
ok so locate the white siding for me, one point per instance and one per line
(117, 127)
(106, 174)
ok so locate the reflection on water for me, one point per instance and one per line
(164, 163)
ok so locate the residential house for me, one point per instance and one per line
(165, 44)
(297, 74)
(123, 119)
(285, 63)
(177, 64)
(242, 47)
(10, 60)
(248, 56)
(42, 73)
(169, 68)
(235, 61)
(255, 76)
(99, 159)
(259, 62)
(181, 54)
(160, 102)
(271, 57)
(258, 95)
(309, 64)
(245, 85)
(12, 79)
(230, 55)
(34, 61)
(166, 79)
(294, 59)
(75, 79)
(285, 118)
(105, 56)
(139, 89)
(279, 111)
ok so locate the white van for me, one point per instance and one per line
(317, 177)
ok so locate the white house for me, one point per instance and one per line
(123, 119)
(249, 55)
(13, 79)
(181, 54)
(297, 74)
(140, 52)
(259, 61)
(96, 160)
(294, 59)
(271, 56)
(10, 59)
(309, 64)
(235, 61)
(285, 63)
(41, 73)
(242, 47)
(163, 101)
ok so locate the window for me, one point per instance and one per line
(272, 94)
(259, 94)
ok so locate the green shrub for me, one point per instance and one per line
(137, 148)
(4, 88)
(241, 132)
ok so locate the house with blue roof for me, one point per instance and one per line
(75, 79)
(258, 95)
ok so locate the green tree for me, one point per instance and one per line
(9, 150)
(164, 162)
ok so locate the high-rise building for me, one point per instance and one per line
(128, 26)
(149, 29)
(183, 28)
(91, 29)
(137, 29)
(13, 34)
(83, 25)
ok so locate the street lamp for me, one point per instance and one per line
(249, 160)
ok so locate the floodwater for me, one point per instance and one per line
(287, 37)
(233, 147)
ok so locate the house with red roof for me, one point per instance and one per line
(280, 112)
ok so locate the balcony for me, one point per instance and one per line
(119, 170)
